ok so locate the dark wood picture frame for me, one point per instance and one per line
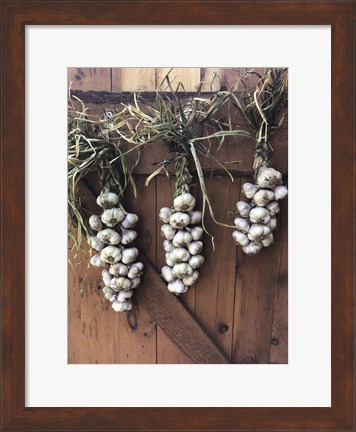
(340, 15)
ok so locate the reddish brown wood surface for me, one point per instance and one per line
(15, 16)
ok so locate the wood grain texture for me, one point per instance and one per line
(189, 77)
(133, 79)
(90, 78)
(15, 16)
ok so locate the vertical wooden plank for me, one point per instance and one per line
(96, 333)
(96, 79)
(279, 339)
(215, 289)
(167, 351)
(189, 77)
(133, 79)
(211, 79)
(255, 289)
(229, 76)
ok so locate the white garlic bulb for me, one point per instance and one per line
(112, 217)
(124, 295)
(177, 287)
(118, 269)
(256, 232)
(272, 223)
(263, 197)
(97, 261)
(268, 178)
(169, 262)
(197, 232)
(129, 221)
(280, 192)
(165, 213)
(106, 277)
(190, 280)
(96, 243)
(167, 232)
(182, 238)
(179, 220)
(240, 238)
(266, 230)
(181, 270)
(252, 248)
(109, 236)
(110, 254)
(273, 208)
(122, 306)
(120, 283)
(196, 261)
(95, 222)
(129, 255)
(184, 202)
(243, 208)
(179, 254)
(168, 246)
(195, 247)
(242, 224)
(167, 273)
(107, 200)
(128, 236)
(195, 216)
(249, 190)
(136, 270)
(135, 282)
(109, 294)
(267, 241)
(259, 214)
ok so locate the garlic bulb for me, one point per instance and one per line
(263, 197)
(240, 238)
(182, 238)
(167, 273)
(122, 306)
(242, 224)
(257, 218)
(196, 261)
(168, 246)
(184, 202)
(243, 208)
(273, 208)
(165, 213)
(107, 200)
(195, 216)
(197, 232)
(195, 247)
(109, 236)
(280, 192)
(118, 269)
(181, 270)
(249, 190)
(168, 232)
(106, 277)
(128, 236)
(97, 261)
(129, 255)
(95, 223)
(96, 243)
(252, 248)
(177, 287)
(114, 228)
(129, 221)
(179, 220)
(179, 255)
(190, 280)
(112, 217)
(110, 254)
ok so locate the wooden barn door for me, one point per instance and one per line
(236, 313)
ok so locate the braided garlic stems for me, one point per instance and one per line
(113, 241)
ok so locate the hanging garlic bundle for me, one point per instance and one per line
(113, 242)
(264, 111)
(257, 218)
(183, 234)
